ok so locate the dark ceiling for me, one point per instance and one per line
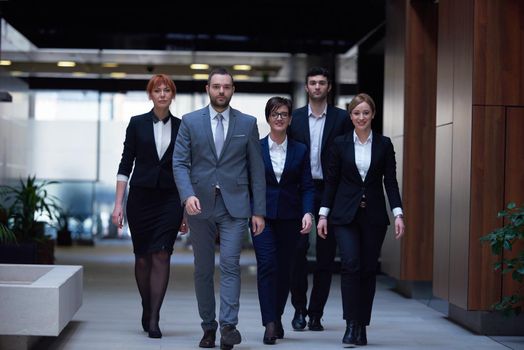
(313, 27)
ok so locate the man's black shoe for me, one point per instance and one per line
(230, 336)
(208, 340)
(299, 321)
(314, 324)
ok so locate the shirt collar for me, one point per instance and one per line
(225, 114)
(273, 145)
(310, 113)
(156, 119)
(356, 140)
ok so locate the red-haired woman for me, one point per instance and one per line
(154, 212)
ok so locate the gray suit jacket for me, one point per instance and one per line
(239, 170)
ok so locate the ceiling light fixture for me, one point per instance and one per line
(66, 64)
(244, 67)
(5, 63)
(200, 76)
(241, 77)
(118, 75)
(110, 65)
(197, 66)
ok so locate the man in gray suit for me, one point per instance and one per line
(218, 167)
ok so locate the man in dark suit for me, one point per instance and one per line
(316, 125)
(217, 165)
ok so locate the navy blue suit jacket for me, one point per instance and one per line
(292, 197)
(140, 149)
(345, 188)
(337, 123)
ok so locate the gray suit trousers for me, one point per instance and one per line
(203, 237)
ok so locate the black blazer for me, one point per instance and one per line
(292, 197)
(337, 123)
(140, 149)
(345, 188)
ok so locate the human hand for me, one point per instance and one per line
(118, 216)
(184, 228)
(400, 228)
(193, 205)
(322, 229)
(307, 224)
(257, 224)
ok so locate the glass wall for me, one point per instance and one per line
(76, 138)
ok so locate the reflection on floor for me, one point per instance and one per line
(110, 315)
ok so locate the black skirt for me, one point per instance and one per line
(154, 217)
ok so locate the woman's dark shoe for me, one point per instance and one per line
(361, 336)
(350, 336)
(145, 318)
(279, 329)
(145, 324)
(155, 333)
(270, 335)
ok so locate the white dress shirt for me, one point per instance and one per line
(162, 134)
(316, 130)
(278, 156)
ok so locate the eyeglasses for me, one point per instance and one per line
(283, 115)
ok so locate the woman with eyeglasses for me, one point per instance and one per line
(362, 164)
(289, 198)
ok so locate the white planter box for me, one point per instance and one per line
(38, 300)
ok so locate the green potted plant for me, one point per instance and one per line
(23, 206)
(504, 239)
(63, 230)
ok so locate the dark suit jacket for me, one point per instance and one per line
(140, 149)
(345, 188)
(337, 123)
(292, 197)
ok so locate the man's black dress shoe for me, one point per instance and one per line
(299, 321)
(208, 340)
(229, 336)
(279, 329)
(314, 324)
(361, 336)
(270, 334)
(350, 336)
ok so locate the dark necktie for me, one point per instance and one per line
(219, 134)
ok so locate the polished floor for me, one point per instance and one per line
(110, 314)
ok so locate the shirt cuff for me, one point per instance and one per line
(323, 211)
(122, 178)
(397, 211)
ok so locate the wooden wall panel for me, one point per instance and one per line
(419, 140)
(444, 140)
(462, 16)
(487, 198)
(393, 123)
(499, 53)
(514, 177)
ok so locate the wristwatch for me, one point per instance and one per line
(399, 216)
